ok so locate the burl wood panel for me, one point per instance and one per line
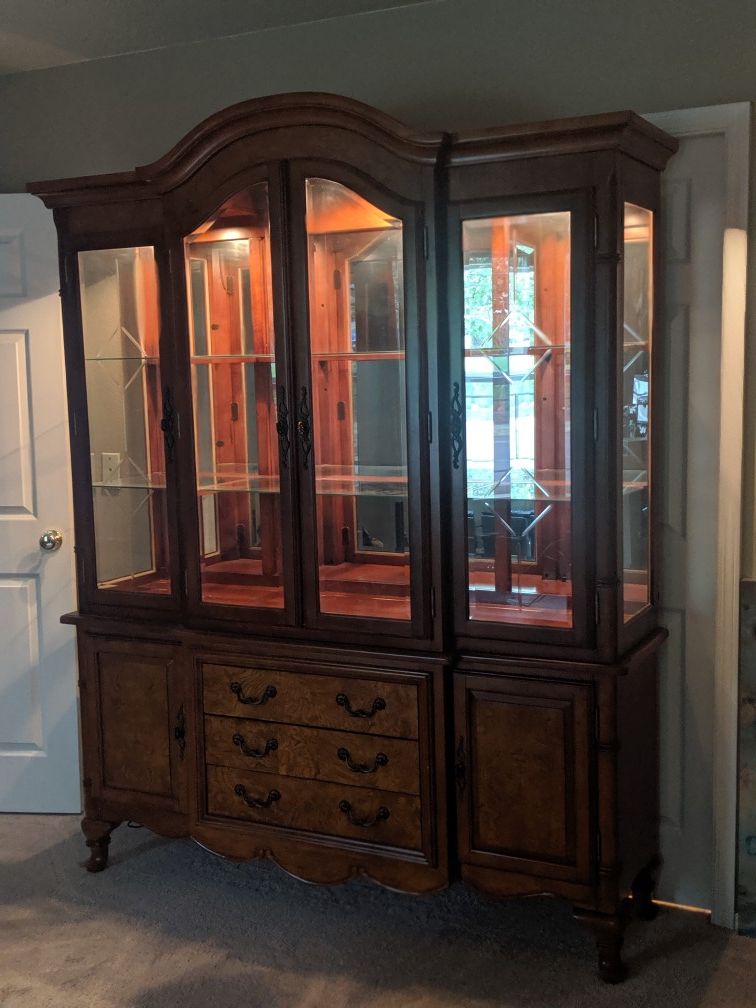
(313, 753)
(315, 806)
(529, 775)
(136, 724)
(311, 699)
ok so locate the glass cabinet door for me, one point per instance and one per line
(355, 262)
(235, 390)
(636, 417)
(516, 418)
(121, 330)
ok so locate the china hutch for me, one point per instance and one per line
(362, 423)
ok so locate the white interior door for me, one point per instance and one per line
(39, 749)
(695, 203)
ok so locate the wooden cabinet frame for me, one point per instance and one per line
(570, 709)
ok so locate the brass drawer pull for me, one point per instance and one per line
(380, 760)
(257, 802)
(366, 822)
(267, 694)
(270, 746)
(343, 701)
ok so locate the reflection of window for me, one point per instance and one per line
(500, 378)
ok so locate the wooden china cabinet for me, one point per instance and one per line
(361, 424)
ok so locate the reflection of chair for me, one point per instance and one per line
(520, 521)
(523, 542)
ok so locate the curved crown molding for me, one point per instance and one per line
(245, 120)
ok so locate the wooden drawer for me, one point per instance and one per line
(334, 809)
(313, 753)
(308, 698)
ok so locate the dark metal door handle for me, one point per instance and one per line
(267, 694)
(342, 700)
(282, 426)
(273, 796)
(380, 760)
(270, 746)
(179, 731)
(304, 427)
(367, 821)
(457, 426)
(168, 424)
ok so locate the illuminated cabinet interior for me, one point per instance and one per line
(363, 445)
(357, 348)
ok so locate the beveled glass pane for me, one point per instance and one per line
(357, 345)
(228, 270)
(517, 418)
(636, 418)
(121, 328)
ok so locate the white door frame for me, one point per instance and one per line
(733, 122)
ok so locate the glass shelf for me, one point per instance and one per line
(360, 355)
(219, 358)
(361, 481)
(632, 481)
(237, 483)
(122, 360)
(131, 484)
(514, 351)
(334, 481)
(547, 485)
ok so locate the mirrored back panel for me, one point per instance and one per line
(359, 415)
(517, 408)
(121, 328)
(234, 391)
(637, 327)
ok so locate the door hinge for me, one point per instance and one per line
(595, 229)
(186, 583)
(597, 607)
(433, 602)
(430, 427)
(425, 241)
(595, 426)
(75, 419)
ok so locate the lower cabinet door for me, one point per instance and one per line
(524, 770)
(134, 724)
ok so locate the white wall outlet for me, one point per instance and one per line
(111, 464)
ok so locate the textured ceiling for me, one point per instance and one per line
(35, 34)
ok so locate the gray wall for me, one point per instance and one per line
(449, 63)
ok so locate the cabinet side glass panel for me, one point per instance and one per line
(517, 340)
(121, 328)
(357, 347)
(232, 350)
(636, 417)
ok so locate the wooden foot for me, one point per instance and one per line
(609, 930)
(97, 835)
(643, 889)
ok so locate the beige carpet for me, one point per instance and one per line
(169, 925)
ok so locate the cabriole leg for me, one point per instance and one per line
(97, 835)
(609, 931)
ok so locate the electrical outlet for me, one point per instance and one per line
(111, 464)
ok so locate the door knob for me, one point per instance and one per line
(51, 540)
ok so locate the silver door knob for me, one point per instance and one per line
(51, 540)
